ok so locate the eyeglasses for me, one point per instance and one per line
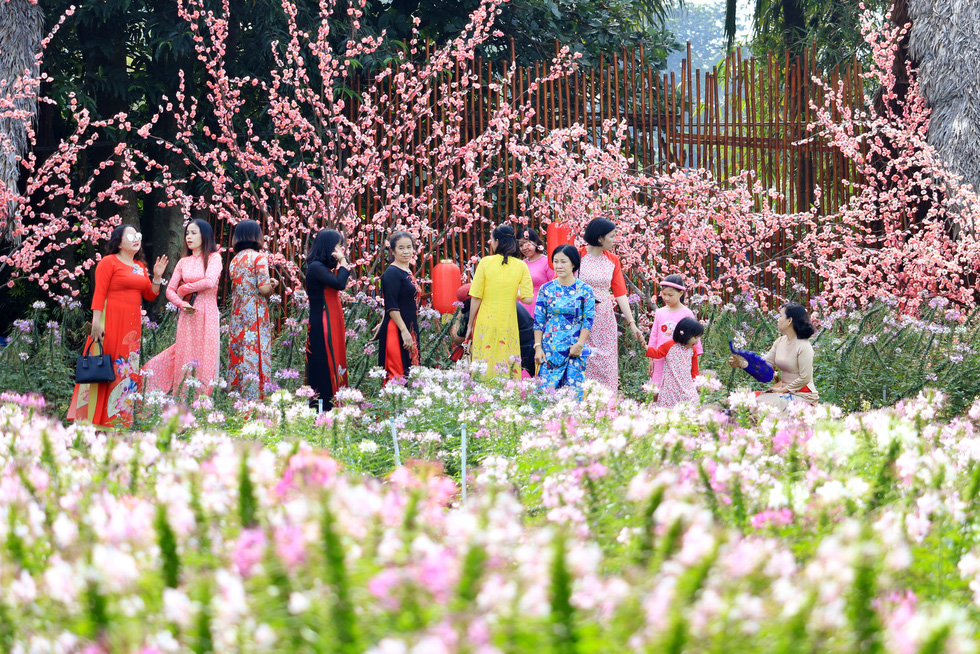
(134, 237)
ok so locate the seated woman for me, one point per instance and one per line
(792, 357)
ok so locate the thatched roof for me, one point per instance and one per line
(945, 42)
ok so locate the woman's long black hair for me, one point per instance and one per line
(506, 241)
(208, 245)
(324, 244)
(801, 320)
(115, 241)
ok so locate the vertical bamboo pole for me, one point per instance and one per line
(633, 112)
(682, 115)
(662, 120)
(674, 149)
(643, 111)
(700, 121)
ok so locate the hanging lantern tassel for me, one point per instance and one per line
(446, 280)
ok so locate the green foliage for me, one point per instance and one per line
(884, 480)
(201, 521)
(167, 541)
(936, 643)
(648, 536)
(96, 610)
(41, 353)
(592, 27)
(204, 638)
(564, 638)
(469, 583)
(867, 628)
(247, 502)
(832, 29)
(7, 633)
(342, 616)
(796, 635)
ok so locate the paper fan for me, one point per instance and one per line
(758, 367)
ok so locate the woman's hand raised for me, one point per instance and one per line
(160, 266)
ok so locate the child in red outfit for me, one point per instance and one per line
(680, 363)
(673, 292)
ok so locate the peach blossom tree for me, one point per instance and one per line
(399, 137)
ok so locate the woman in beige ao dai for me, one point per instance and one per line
(792, 357)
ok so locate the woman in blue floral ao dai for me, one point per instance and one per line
(563, 316)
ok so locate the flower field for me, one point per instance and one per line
(601, 526)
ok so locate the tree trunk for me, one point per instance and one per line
(21, 31)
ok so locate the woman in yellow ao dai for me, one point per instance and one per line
(499, 282)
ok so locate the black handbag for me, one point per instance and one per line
(94, 368)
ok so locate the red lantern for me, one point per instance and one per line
(446, 280)
(558, 234)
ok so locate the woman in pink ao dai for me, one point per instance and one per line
(193, 289)
(533, 250)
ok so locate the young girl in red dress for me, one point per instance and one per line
(680, 358)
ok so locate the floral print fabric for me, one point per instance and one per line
(250, 329)
(603, 365)
(119, 291)
(561, 313)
